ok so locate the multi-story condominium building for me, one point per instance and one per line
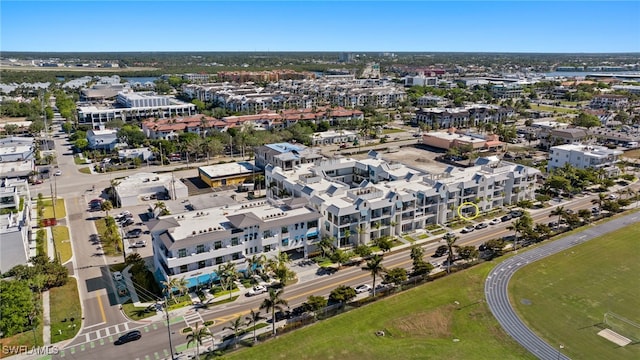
(16, 243)
(421, 80)
(263, 76)
(192, 245)
(609, 101)
(285, 155)
(366, 199)
(169, 129)
(196, 77)
(468, 116)
(583, 157)
(632, 89)
(507, 91)
(432, 101)
(553, 137)
(130, 106)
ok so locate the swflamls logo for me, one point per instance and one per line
(25, 350)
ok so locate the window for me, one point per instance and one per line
(217, 245)
(284, 229)
(219, 260)
(267, 248)
(182, 253)
(285, 242)
(267, 234)
(234, 241)
(312, 224)
(236, 256)
(201, 264)
(199, 249)
(184, 269)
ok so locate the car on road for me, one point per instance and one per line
(362, 288)
(128, 222)
(257, 290)
(135, 233)
(515, 213)
(117, 276)
(128, 337)
(468, 229)
(139, 244)
(441, 251)
(495, 221)
(481, 226)
(57, 173)
(570, 211)
(611, 197)
(36, 182)
(506, 218)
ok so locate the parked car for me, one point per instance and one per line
(515, 213)
(139, 244)
(117, 276)
(57, 173)
(481, 226)
(257, 290)
(441, 251)
(122, 290)
(506, 218)
(135, 233)
(128, 222)
(128, 337)
(611, 197)
(495, 221)
(468, 229)
(36, 182)
(343, 146)
(362, 288)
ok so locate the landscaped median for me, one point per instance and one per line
(60, 211)
(66, 312)
(62, 243)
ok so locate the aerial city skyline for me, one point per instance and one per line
(457, 26)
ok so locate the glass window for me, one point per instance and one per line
(217, 245)
(182, 253)
(201, 264)
(219, 260)
(234, 241)
(284, 229)
(285, 242)
(236, 256)
(184, 268)
(200, 249)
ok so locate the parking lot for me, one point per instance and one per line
(415, 157)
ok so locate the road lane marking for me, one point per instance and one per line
(104, 317)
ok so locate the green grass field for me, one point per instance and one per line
(63, 242)
(420, 323)
(48, 208)
(557, 109)
(65, 304)
(564, 296)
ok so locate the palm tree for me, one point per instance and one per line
(253, 318)
(112, 190)
(181, 284)
(374, 266)
(106, 206)
(235, 325)
(273, 302)
(326, 245)
(518, 226)
(599, 200)
(228, 274)
(560, 211)
(168, 287)
(451, 240)
(254, 263)
(161, 206)
(196, 336)
(585, 215)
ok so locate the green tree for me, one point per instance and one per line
(342, 294)
(252, 319)
(326, 245)
(467, 252)
(586, 120)
(450, 240)
(396, 276)
(106, 206)
(375, 268)
(316, 303)
(17, 304)
(132, 135)
(236, 326)
(81, 144)
(36, 127)
(67, 127)
(227, 274)
(197, 335)
(559, 211)
(274, 302)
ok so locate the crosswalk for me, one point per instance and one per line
(118, 329)
(192, 317)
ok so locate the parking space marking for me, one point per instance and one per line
(156, 355)
(81, 347)
(101, 341)
(93, 344)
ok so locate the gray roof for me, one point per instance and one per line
(244, 220)
(156, 225)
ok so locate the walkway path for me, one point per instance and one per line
(46, 319)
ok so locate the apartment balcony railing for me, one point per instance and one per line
(195, 258)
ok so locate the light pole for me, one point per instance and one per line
(166, 312)
(560, 348)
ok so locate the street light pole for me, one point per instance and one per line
(166, 312)
(561, 347)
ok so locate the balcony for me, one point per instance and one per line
(207, 255)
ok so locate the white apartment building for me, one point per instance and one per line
(193, 244)
(366, 199)
(131, 99)
(608, 101)
(583, 157)
(468, 116)
(17, 245)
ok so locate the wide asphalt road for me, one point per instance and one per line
(498, 280)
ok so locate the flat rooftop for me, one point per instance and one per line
(222, 170)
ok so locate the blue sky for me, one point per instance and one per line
(476, 26)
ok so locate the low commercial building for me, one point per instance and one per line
(17, 157)
(564, 136)
(333, 137)
(17, 243)
(584, 157)
(104, 139)
(135, 188)
(454, 139)
(194, 244)
(227, 174)
(143, 154)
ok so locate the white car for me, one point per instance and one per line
(57, 173)
(468, 229)
(363, 288)
(117, 276)
(139, 244)
(495, 221)
(257, 290)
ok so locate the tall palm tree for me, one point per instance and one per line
(227, 274)
(273, 302)
(253, 318)
(236, 326)
(599, 200)
(560, 211)
(326, 245)
(112, 190)
(451, 240)
(374, 266)
(181, 285)
(197, 335)
(254, 263)
(518, 226)
(168, 287)
(106, 206)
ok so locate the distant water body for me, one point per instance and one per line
(140, 80)
(585, 73)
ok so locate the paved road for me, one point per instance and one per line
(496, 285)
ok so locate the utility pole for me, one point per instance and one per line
(166, 312)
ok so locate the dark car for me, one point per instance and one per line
(481, 226)
(128, 337)
(441, 251)
(135, 233)
(128, 222)
(506, 218)
(515, 213)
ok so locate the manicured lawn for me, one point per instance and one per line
(420, 323)
(137, 313)
(65, 304)
(63, 242)
(553, 109)
(391, 131)
(563, 296)
(48, 208)
(85, 170)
